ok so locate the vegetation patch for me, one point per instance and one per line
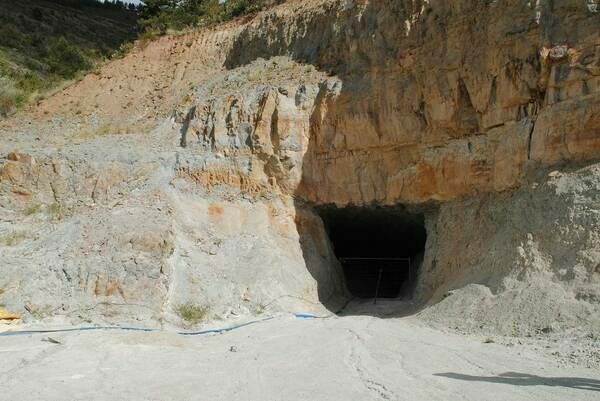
(55, 211)
(45, 43)
(192, 313)
(158, 17)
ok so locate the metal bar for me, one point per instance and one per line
(403, 259)
(377, 287)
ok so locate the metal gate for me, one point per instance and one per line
(376, 277)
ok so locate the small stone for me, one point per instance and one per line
(51, 340)
(233, 348)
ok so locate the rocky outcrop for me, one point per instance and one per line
(450, 99)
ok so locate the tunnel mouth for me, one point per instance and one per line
(380, 248)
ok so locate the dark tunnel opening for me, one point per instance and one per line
(379, 248)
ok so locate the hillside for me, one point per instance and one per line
(43, 43)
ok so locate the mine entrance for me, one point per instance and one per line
(380, 248)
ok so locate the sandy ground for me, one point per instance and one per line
(286, 358)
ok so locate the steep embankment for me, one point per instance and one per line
(187, 172)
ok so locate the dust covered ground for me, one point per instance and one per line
(350, 357)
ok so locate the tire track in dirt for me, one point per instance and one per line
(356, 362)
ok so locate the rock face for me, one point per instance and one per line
(187, 172)
(449, 99)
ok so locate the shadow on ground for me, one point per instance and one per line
(524, 379)
(383, 308)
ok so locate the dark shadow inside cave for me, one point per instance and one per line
(379, 248)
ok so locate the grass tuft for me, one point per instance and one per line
(192, 313)
(55, 211)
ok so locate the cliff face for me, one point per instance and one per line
(439, 100)
(225, 140)
(432, 100)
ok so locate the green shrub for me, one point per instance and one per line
(65, 59)
(30, 82)
(192, 313)
(163, 15)
(10, 96)
(236, 8)
(123, 50)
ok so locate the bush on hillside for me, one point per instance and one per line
(9, 96)
(65, 59)
(158, 16)
(111, 4)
